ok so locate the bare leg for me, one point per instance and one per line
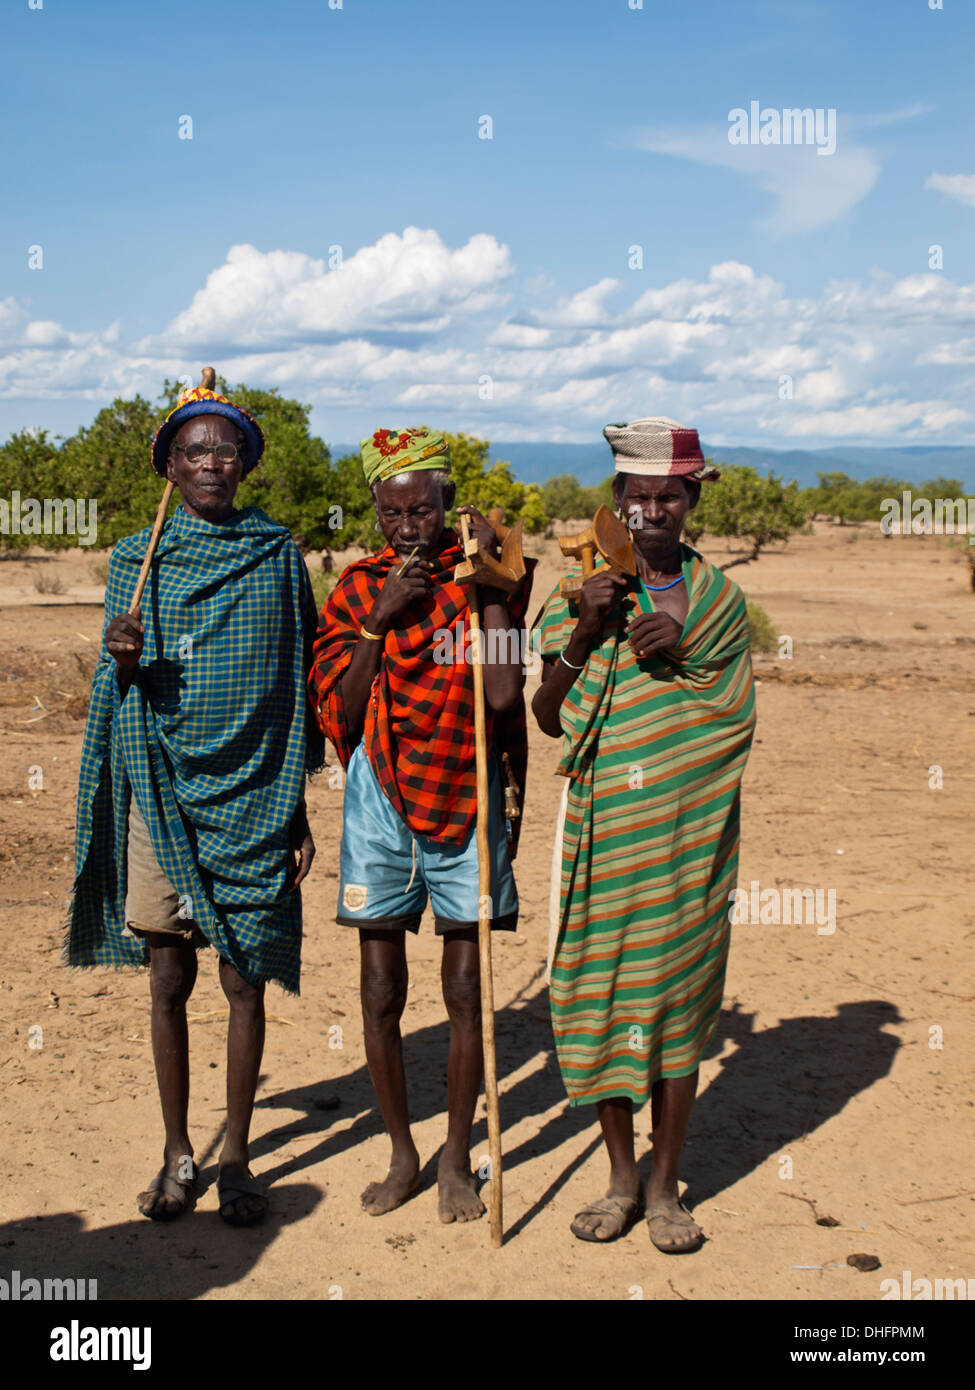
(461, 979)
(245, 1048)
(671, 1102)
(172, 975)
(383, 981)
(616, 1120)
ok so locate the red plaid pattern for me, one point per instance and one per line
(419, 723)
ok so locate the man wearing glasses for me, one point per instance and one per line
(191, 826)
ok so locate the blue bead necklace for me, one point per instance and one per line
(658, 588)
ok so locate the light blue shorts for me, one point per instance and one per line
(387, 872)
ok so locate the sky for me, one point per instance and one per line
(523, 219)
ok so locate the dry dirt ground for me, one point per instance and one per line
(839, 1085)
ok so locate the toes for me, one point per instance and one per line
(585, 1223)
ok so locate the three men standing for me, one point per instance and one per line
(191, 820)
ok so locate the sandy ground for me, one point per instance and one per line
(843, 1058)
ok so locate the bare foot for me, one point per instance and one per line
(672, 1228)
(458, 1199)
(399, 1184)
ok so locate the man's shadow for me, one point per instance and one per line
(779, 1085)
(142, 1259)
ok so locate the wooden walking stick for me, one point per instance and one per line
(142, 581)
(495, 1217)
(208, 380)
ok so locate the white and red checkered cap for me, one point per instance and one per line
(657, 447)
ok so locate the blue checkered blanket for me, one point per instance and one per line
(213, 739)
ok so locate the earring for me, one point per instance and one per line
(375, 525)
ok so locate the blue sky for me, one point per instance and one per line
(785, 297)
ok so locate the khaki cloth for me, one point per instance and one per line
(151, 902)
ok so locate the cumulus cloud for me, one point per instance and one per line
(408, 284)
(420, 332)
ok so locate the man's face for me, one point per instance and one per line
(654, 508)
(207, 487)
(411, 508)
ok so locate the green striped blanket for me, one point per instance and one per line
(654, 750)
(213, 739)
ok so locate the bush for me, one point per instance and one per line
(761, 634)
(565, 499)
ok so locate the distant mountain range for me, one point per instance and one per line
(591, 463)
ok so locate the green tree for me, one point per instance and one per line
(27, 465)
(836, 495)
(744, 505)
(566, 499)
(484, 486)
(347, 489)
(108, 461)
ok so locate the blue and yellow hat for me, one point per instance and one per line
(203, 400)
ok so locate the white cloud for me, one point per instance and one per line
(883, 358)
(403, 284)
(808, 190)
(889, 420)
(960, 186)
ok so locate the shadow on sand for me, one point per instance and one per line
(779, 1084)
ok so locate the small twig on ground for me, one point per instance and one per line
(948, 1197)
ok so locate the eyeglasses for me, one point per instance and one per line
(223, 453)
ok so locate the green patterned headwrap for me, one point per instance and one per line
(388, 452)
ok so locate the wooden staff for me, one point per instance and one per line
(495, 1218)
(142, 581)
(208, 380)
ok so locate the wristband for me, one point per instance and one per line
(569, 663)
(373, 636)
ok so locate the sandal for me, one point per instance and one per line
(623, 1210)
(180, 1190)
(681, 1226)
(229, 1192)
